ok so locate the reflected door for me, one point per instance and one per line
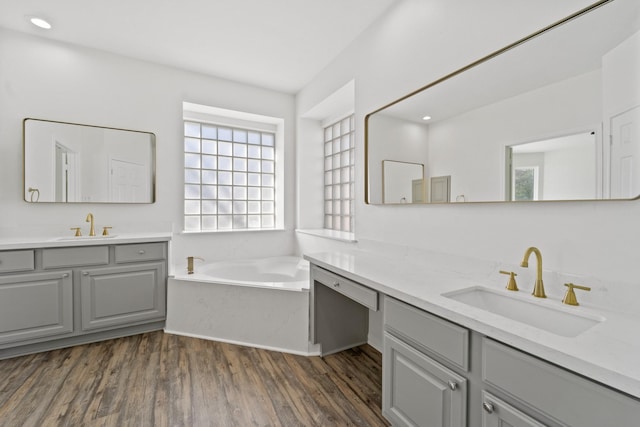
(65, 174)
(625, 154)
(128, 182)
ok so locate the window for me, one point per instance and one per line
(230, 177)
(525, 183)
(339, 175)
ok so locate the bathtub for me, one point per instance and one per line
(255, 302)
(286, 273)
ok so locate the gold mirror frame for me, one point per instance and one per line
(448, 77)
(76, 163)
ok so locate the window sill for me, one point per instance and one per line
(242, 230)
(342, 236)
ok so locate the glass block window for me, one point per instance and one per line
(229, 178)
(339, 175)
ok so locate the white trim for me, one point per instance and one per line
(243, 343)
(342, 236)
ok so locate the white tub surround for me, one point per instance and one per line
(607, 353)
(258, 302)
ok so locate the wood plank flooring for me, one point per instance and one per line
(157, 379)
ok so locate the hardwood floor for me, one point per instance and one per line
(156, 379)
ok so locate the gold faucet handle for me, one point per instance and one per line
(570, 295)
(78, 232)
(105, 230)
(511, 285)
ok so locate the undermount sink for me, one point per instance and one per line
(555, 319)
(60, 239)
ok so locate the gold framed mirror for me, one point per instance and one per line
(554, 116)
(76, 163)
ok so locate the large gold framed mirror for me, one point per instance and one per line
(553, 116)
(76, 163)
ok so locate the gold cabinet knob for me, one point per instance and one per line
(511, 285)
(570, 295)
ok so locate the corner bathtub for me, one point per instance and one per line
(256, 302)
(286, 273)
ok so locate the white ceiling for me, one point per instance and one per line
(276, 44)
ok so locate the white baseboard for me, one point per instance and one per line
(311, 352)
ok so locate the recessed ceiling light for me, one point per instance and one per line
(40, 22)
(426, 118)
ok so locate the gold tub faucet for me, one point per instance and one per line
(190, 263)
(92, 230)
(538, 288)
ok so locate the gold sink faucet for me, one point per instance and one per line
(92, 230)
(538, 288)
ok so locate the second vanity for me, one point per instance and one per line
(446, 363)
(57, 293)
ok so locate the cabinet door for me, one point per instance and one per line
(498, 413)
(418, 391)
(35, 305)
(117, 296)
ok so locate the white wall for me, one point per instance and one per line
(419, 41)
(570, 173)
(49, 80)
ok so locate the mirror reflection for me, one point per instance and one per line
(75, 163)
(403, 182)
(554, 116)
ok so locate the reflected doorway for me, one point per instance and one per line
(66, 174)
(625, 154)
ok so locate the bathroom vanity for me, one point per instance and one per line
(448, 364)
(59, 293)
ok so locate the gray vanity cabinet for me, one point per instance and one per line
(56, 297)
(417, 390)
(437, 373)
(498, 413)
(49, 312)
(553, 394)
(122, 295)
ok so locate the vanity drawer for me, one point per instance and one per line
(427, 332)
(361, 294)
(75, 257)
(11, 261)
(562, 395)
(140, 252)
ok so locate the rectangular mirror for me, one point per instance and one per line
(553, 116)
(76, 163)
(403, 182)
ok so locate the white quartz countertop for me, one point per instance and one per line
(57, 242)
(608, 352)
